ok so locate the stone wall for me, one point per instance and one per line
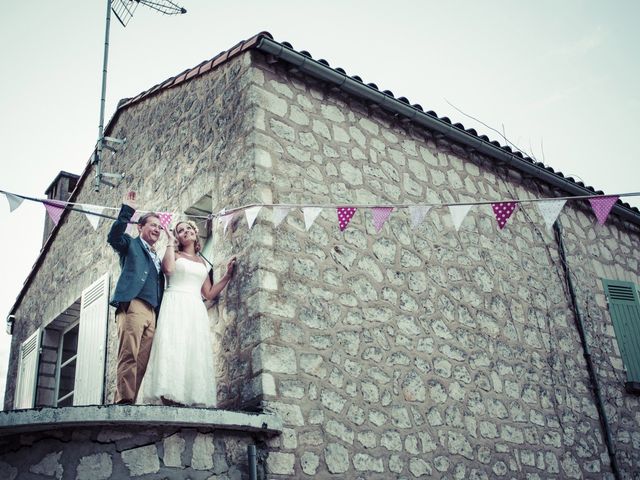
(595, 253)
(406, 353)
(425, 352)
(122, 452)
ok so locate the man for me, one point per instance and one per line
(137, 297)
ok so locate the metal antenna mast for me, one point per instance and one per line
(123, 10)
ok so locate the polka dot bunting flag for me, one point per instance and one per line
(380, 215)
(602, 206)
(165, 218)
(502, 211)
(345, 214)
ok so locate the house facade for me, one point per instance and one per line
(424, 351)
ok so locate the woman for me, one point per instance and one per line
(180, 370)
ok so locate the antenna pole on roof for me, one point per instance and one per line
(123, 10)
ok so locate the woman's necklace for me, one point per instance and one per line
(189, 254)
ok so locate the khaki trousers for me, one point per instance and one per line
(136, 327)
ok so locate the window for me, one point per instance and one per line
(64, 363)
(66, 368)
(624, 308)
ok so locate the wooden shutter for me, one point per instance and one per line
(92, 343)
(25, 395)
(624, 307)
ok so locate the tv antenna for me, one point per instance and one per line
(123, 10)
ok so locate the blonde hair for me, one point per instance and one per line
(197, 245)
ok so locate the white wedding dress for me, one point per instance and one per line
(181, 365)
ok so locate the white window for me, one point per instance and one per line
(66, 366)
(70, 367)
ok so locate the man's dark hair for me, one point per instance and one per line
(143, 219)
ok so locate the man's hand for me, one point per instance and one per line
(130, 199)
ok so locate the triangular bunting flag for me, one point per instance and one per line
(380, 215)
(251, 213)
(602, 206)
(90, 213)
(225, 220)
(165, 219)
(310, 215)
(131, 228)
(458, 212)
(279, 214)
(417, 214)
(54, 209)
(550, 210)
(14, 201)
(345, 214)
(502, 212)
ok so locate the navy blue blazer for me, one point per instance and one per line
(135, 260)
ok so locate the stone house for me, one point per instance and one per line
(405, 353)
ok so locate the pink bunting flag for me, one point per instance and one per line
(165, 218)
(502, 211)
(345, 214)
(380, 215)
(54, 209)
(602, 207)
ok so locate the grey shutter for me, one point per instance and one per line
(624, 308)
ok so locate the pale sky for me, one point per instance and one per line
(559, 78)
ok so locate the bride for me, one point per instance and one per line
(181, 370)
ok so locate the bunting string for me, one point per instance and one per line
(503, 209)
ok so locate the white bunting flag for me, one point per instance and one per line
(417, 214)
(14, 201)
(251, 213)
(132, 226)
(550, 210)
(279, 214)
(90, 212)
(458, 213)
(225, 220)
(310, 215)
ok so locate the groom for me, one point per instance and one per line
(137, 297)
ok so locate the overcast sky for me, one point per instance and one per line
(560, 78)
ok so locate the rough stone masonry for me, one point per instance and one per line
(425, 352)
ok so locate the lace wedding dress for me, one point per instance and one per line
(181, 366)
